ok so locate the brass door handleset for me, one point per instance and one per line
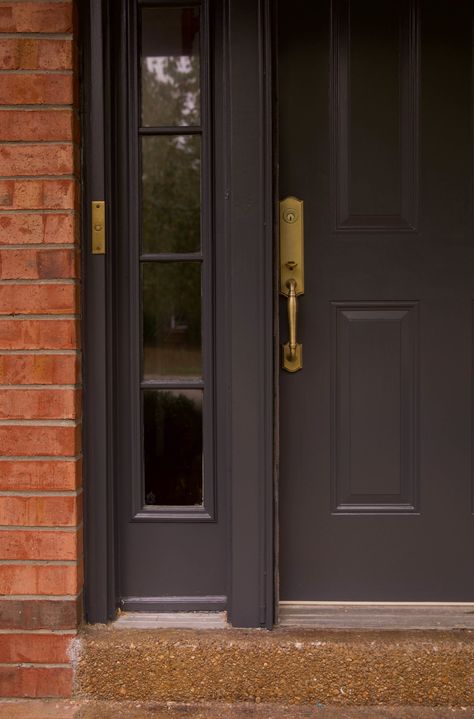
(291, 276)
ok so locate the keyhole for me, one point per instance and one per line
(290, 216)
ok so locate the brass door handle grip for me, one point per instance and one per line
(292, 316)
(292, 351)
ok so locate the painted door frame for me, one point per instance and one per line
(245, 225)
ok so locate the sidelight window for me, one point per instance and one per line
(175, 266)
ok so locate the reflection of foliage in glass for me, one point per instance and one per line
(170, 90)
(173, 448)
(172, 304)
(171, 165)
(171, 204)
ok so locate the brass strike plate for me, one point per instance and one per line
(291, 244)
(98, 227)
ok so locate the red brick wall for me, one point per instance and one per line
(40, 400)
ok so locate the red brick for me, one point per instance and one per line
(36, 142)
(27, 614)
(37, 194)
(31, 125)
(46, 475)
(9, 54)
(32, 441)
(39, 403)
(39, 334)
(39, 369)
(34, 648)
(47, 55)
(39, 299)
(40, 579)
(37, 229)
(36, 17)
(37, 159)
(57, 264)
(35, 682)
(40, 545)
(35, 54)
(36, 89)
(40, 511)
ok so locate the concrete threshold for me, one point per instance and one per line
(312, 667)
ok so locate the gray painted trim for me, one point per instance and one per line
(99, 581)
(249, 229)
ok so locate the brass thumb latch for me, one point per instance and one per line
(291, 275)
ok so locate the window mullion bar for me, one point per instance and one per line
(172, 257)
(178, 383)
(174, 130)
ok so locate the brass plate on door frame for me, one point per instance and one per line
(98, 227)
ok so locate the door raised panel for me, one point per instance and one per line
(375, 98)
(375, 408)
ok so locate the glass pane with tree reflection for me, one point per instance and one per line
(171, 194)
(173, 447)
(171, 319)
(170, 75)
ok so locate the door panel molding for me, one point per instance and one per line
(403, 218)
(375, 407)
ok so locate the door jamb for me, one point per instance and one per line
(250, 217)
(99, 581)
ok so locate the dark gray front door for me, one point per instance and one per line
(376, 136)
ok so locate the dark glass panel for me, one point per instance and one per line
(171, 319)
(170, 80)
(173, 447)
(171, 194)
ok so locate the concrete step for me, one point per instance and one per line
(86, 709)
(286, 666)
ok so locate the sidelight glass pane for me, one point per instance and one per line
(171, 194)
(170, 74)
(172, 425)
(171, 294)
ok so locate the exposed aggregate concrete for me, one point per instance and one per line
(309, 667)
(269, 712)
(86, 709)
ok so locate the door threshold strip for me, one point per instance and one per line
(374, 615)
